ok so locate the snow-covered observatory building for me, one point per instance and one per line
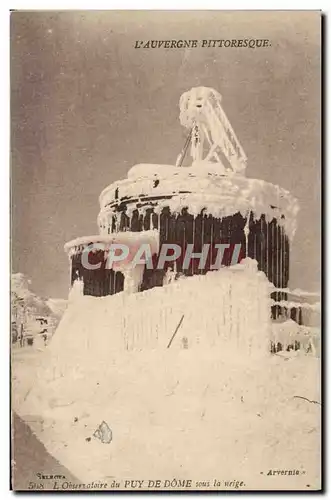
(210, 202)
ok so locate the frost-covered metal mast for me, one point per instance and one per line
(211, 134)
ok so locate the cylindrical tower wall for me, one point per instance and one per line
(194, 206)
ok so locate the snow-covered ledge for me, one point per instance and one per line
(202, 186)
(129, 238)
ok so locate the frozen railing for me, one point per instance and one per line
(297, 326)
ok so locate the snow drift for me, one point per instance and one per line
(212, 403)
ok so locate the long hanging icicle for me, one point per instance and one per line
(274, 253)
(281, 264)
(255, 235)
(246, 231)
(267, 252)
(275, 260)
(277, 248)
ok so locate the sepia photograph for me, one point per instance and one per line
(165, 171)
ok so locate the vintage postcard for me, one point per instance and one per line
(165, 235)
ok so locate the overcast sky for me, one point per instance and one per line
(86, 106)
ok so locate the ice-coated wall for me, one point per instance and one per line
(228, 310)
(203, 187)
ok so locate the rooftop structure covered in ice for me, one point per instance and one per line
(210, 202)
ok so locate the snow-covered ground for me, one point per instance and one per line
(182, 377)
(185, 414)
(221, 409)
(24, 365)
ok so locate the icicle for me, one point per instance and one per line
(262, 250)
(166, 221)
(254, 255)
(202, 232)
(246, 231)
(267, 247)
(194, 232)
(274, 267)
(281, 263)
(70, 272)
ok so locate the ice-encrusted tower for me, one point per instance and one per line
(211, 201)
